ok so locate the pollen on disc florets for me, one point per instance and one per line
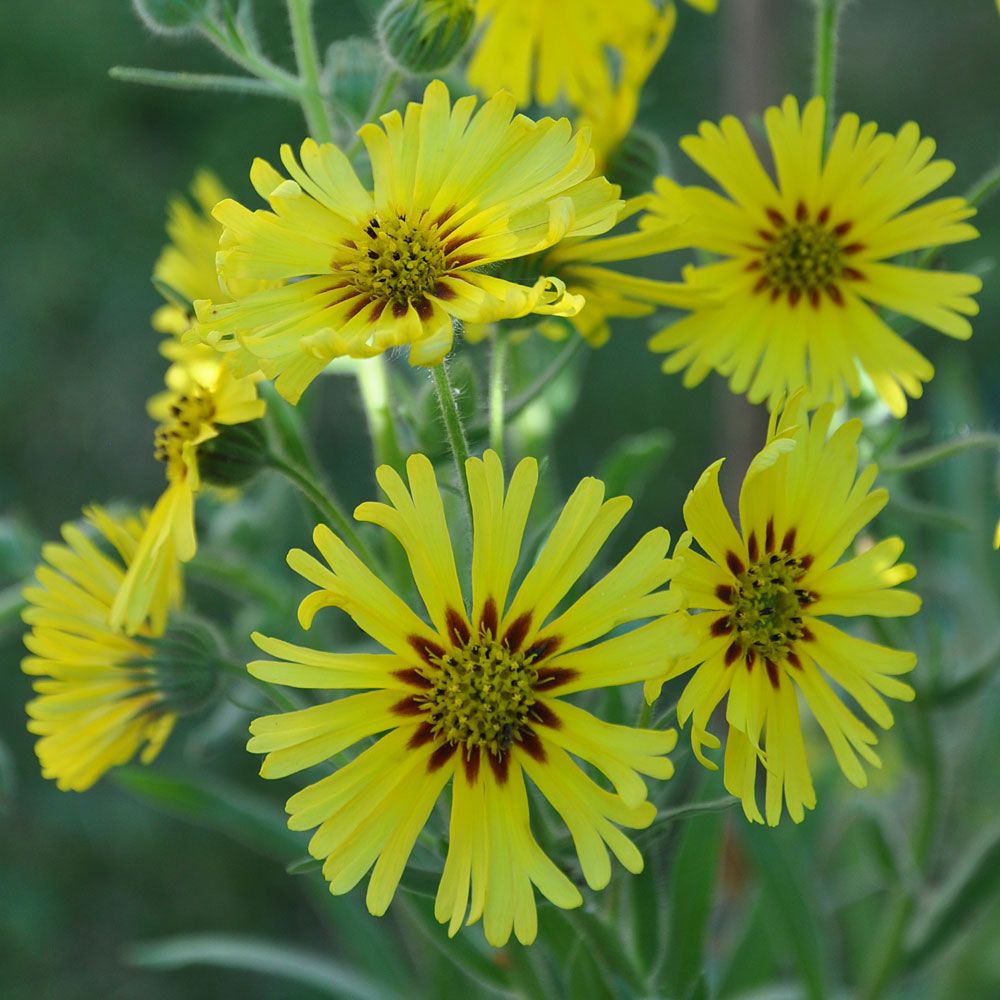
(767, 606)
(399, 261)
(803, 257)
(188, 412)
(481, 695)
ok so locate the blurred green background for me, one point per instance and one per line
(87, 165)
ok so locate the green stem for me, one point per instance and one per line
(373, 383)
(984, 189)
(498, 374)
(324, 503)
(235, 48)
(645, 714)
(198, 81)
(277, 697)
(888, 947)
(825, 58)
(379, 105)
(307, 59)
(453, 426)
(938, 453)
(526, 398)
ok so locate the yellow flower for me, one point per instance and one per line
(454, 193)
(186, 265)
(476, 698)
(761, 596)
(804, 259)
(201, 399)
(574, 50)
(98, 701)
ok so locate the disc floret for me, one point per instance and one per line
(481, 696)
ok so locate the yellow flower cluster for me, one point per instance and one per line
(477, 215)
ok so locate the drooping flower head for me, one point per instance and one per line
(203, 400)
(804, 259)
(761, 594)
(101, 697)
(474, 698)
(454, 193)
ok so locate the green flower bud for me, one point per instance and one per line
(172, 17)
(637, 161)
(185, 664)
(423, 36)
(354, 66)
(235, 456)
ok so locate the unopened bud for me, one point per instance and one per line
(235, 456)
(351, 74)
(636, 162)
(423, 36)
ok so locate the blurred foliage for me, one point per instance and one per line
(897, 885)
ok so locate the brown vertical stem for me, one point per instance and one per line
(750, 81)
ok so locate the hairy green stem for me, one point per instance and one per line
(526, 398)
(825, 58)
(373, 383)
(326, 505)
(498, 376)
(927, 457)
(235, 48)
(307, 59)
(457, 441)
(199, 81)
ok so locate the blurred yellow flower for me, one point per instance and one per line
(476, 698)
(761, 596)
(579, 51)
(454, 193)
(99, 703)
(804, 259)
(202, 400)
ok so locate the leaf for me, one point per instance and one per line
(479, 965)
(255, 822)
(304, 866)
(420, 881)
(791, 901)
(692, 892)
(947, 912)
(260, 956)
(634, 461)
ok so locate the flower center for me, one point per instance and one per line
(767, 605)
(481, 695)
(188, 412)
(803, 257)
(398, 261)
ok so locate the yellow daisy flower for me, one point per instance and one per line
(202, 399)
(475, 698)
(99, 701)
(453, 194)
(804, 259)
(761, 596)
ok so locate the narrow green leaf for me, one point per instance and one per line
(692, 891)
(791, 901)
(304, 866)
(479, 963)
(634, 461)
(255, 822)
(947, 912)
(219, 82)
(259, 956)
